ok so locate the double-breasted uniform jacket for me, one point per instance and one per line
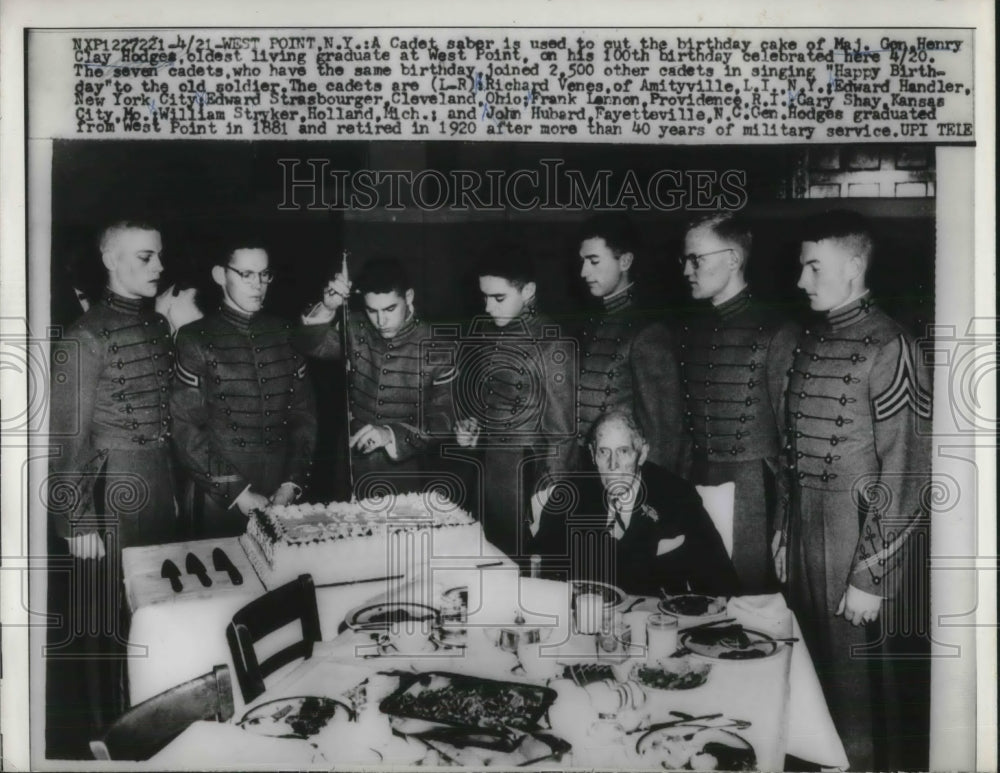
(574, 538)
(627, 361)
(859, 409)
(244, 408)
(110, 424)
(859, 414)
(404, 383)
(519, 383)
(734, 361)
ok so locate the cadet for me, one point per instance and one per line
(244, 412)
(400, 401)
(627, 358)
(110, 485)
(516, 389)
(734, 358)
(859, 414)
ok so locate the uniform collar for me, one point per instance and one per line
(845, 316)
(520, 325)
(241, 320)
(623, 299)
(408, 327)
(126, 305)
(734, 305)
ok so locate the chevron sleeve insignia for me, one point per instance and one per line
(904, 391)
(187, 377)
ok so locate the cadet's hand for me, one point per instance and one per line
(336, 292)
(178, 306)
(285, 494)
(858, 606)
(467, 432)
(371, 437)
(85, 546)
(780, 554)
(249, 501)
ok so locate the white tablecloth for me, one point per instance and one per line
(780, 696)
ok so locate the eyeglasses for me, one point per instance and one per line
(697, 260)
(266, 276)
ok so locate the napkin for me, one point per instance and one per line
(767, 613)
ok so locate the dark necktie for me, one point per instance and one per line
(616, 509)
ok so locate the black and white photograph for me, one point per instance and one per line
(466, 393)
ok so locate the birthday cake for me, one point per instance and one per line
(344, 542)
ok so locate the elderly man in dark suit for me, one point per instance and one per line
(633, 524)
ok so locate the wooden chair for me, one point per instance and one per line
(145, 729)
(294, 602)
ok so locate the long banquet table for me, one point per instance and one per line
(776, 703)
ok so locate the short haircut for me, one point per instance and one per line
(615, 228)
(511, 263)
(251, 242)
(729, 227)
(850, 228)
(384, 275)
(109, 234)
(624, 417)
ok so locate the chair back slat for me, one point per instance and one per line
(292, 602)
(145, 729)
(302, 649)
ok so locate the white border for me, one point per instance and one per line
(16, 15)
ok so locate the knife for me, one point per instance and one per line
(194, 566)
(169, 571)
(222, 563)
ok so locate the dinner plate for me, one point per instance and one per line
(756, 646)
(693, 605)
(380, 617)
(613, 597)
(298, 717)
(696, 747)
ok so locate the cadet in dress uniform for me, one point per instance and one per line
(244, 410)
(734, 358)
(627, 357)
(859, 427)
(110, 485)
(399, 389)
(515, 396)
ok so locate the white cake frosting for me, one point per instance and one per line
(340, 541)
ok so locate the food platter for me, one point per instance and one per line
(496, 712)
(380, 617)
(696, 747)
(298, 717)
(728, 642)
(470, 749)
